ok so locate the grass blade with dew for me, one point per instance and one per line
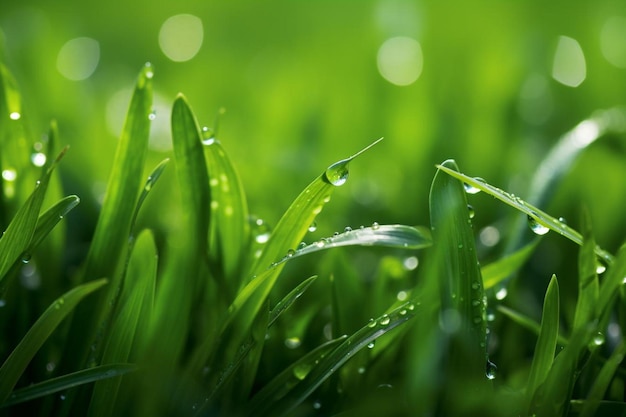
(17, 361)
(149, 184)
(333, 361)
(50, 218)
(18, 235)
(68, 381)
(463, 305)
(284, 382)
(537, 218)
(603, 380)
(135, 302)
(230, 230)
(545, 347)
(110, 239)
(497, 271)
(588, 286)
(613, 279)
(289, 299)
(287, 234)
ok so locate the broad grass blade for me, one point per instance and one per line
(68, 381)
(588, 286)
(496, 272)
(134, 307)
(461, 287)
(17, 361)
(545, 348)
(50, 218)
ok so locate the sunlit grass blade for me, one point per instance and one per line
(331, 362)
(135, 301)
(230, 230)
(535, 215)
(289, 299)
(282, 383)
(50, 218)
(18, 235)
(545, 349)
(497, 271)
(17, 361)
(588, 286)
(603, 380)
(461, 286)
(149, 184)
(68, 381)
(110, 240)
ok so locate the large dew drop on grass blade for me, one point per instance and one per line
(536, 227)
(337, 174)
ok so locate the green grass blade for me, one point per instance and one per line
(282, 383)
(137, 293)
(613, 279)
(534, 214)
(149, 184)
(110, 241)
(330, 363)
(65, 382)
(461, 285)
(602, 381)
(588, 286)
(526, 322)
(546, 343)
(289, 299)
(230, 232)
(50, 218)
(18, 235)
(17, 361)
(496, 272)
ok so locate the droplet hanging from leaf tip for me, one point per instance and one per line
(337, 174)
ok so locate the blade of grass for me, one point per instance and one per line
(330, 363)
(613, 279)
(135, 299)
(149, 184)
(496, 272)
(588, 286)
(17, 361)
(531, 211)
(461, 287)
(65, 382)
(289, 299)
(527, 322)
(546, 342)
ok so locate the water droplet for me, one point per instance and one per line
(471, 211)
(475, 285)
(317, 405)
(302, 245)
(536, 227)
(15, 115)
(600, 267)
(337, 173)
(385, 320)
(293, 342)
(501, 293)
(470, 189)
(490, 370)
(402, 312)
(598, 339)
(9, 175)
(402, 295)
(371, 345)
(290, 253)
(347, 229)
(320, 243)
(372, 323)
(300, 371)
(375, 226)
(411, 306)
(336, 234)
(38, 159)
(62, 397)
(26, 258)
(411, 263)
(313, 227)
(562, 220)
(149, 71)
(361, 370)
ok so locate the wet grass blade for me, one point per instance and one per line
(534, 214)
(50, 218)
(149, 184)
(289, 299)
(545, 348)
(17, 361)
(330, 363)
(588, 286)
(614, 278)
(134, 307)
(461, 285)
(65, 382)
(496, 272)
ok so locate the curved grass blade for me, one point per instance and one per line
(134, 306)
(289, 299)
(461, 284)
(496, 272)
(49, 219)
(546, 342)
(533, 213)
(18, 235)
(330, 363)
(602, 381)
(150, 182)
(17, 361)
(588, 286)
(282, 383)
(65, 382)
(230, 231)
(110, 241)
(527, 322)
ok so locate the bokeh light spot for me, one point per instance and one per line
(400, 60)
(181, 36)
(78, 58)
(613, 41)
(569, 67)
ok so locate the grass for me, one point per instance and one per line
(217, 316)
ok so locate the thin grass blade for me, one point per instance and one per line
(588, 286)
(614, 278)
(286, 302)
(496, 272)
(50, 218)
(149, 184)
(17, 361)
(545, 348)
(527, 322)
(65, 382)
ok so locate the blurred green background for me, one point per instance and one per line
(492, 84)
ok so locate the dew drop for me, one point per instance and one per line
(301, 371)
(317, 405)
(475, 285)
(501, 293)
(361, 370)
(402, 295)
(536, 227)
(302, 245)
(290, 253)
(471, 211)
(26, 258)
(411, 306)
(600, 267)
(15, 115)
(152, 115)
(9, 175)
(313, 227)
(470, 189)
(490, 370)
(385, 320)
(293, 342)
(371, 345)
(347, 229)
(375, 226)
(598, 339)
(337, 173)
(38, 159)
(372, 323)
